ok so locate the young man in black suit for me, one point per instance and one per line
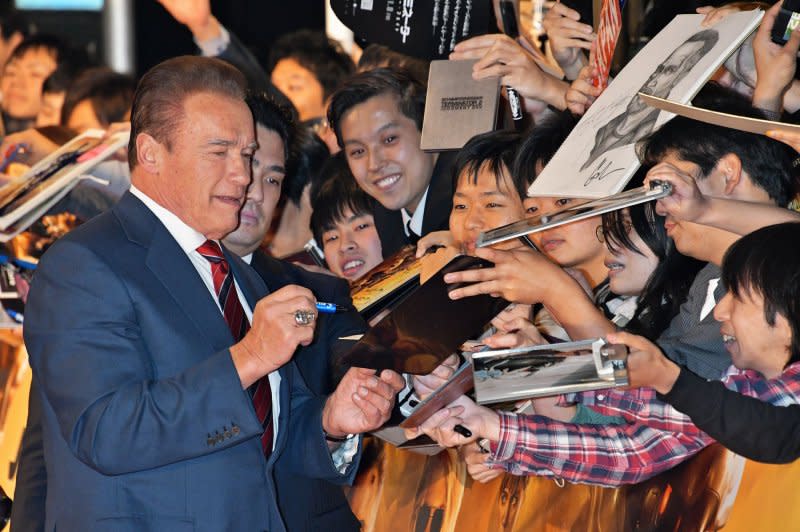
(305, 504)
(377, 118)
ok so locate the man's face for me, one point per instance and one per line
(352, 246)
(203, 178)
(672, 70)
(22, 81)
(573, 245)
(750, 340)
(382, 148)
(301, 86)
(483, 205)
(269, 170)
(50, 111)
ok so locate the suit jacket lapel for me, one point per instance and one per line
(173, 269)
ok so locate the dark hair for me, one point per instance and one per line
(318, 53)
(158, 102)
(59, 80)
(495, 148)
(336, 192)
(668, 285)
(13, 21)
(50, 43)
(308, 155)
(767, 161)
(380, 56)
(767, 262)
(540, 146)
(410, 94)
(273, 116)
(109, 92)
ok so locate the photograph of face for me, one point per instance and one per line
(638, 118)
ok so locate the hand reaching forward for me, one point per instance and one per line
(361, 402)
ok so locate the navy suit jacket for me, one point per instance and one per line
(144, 421)
(311, 504)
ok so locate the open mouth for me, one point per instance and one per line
(387, 181)
(352, 267)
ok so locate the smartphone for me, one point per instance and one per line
(787, 20)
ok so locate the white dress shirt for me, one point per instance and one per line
(416, 218)
(189, 240)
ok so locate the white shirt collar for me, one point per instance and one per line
(188, 239)
(416, 218)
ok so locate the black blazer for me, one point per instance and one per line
(309, 504)
(438, 205)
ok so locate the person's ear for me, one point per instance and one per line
(730, 166)
(149, 153)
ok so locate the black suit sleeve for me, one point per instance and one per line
(27, 510)
(238, 55)
(749, 427)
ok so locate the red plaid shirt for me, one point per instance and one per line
(655, 437)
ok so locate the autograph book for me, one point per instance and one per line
(575, 213)
(24, 199)
(426, 326)
(550, 369)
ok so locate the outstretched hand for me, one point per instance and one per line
(361, 402)
(686, 202)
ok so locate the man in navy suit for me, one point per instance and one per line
(306, 504)
(147, 421)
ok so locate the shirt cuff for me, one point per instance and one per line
(504, 449)
(343, 455)
(214, 47)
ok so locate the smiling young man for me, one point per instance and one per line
(377, 118)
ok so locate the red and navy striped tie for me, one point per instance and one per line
(237, 322)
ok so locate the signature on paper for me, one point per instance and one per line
(602, 171)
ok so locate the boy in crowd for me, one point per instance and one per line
(342, 222)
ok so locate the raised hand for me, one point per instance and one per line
(500, 56)
(195, 15)
(567, 37)
(361, 402)
(581, 93)
(481, 421)
(425, 384)
(686, 201)
(775, 64)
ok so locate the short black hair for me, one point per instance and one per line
(495, 148)
(273, 116)
(408, 90)
(318, 53)
(53, 45)
(336, 192)
(110, 93)
(767, 161)
(541, 145)
(307, 157)
(379, 55)
(767, 262)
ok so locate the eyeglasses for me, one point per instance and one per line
(601, 235)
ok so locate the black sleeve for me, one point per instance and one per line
(27, 509)
(754, 429)
(238, 55)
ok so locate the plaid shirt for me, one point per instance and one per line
(654, 438)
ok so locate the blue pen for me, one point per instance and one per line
(330, 308)
(16, 316)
